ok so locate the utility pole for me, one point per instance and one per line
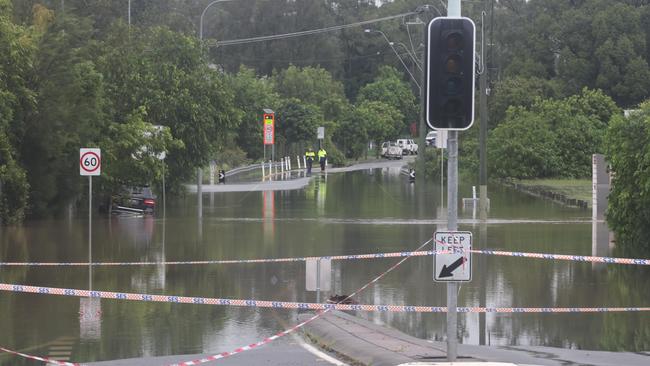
(483, 128)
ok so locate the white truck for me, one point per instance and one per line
(409, 147)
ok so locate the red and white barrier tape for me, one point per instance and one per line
(44, 359)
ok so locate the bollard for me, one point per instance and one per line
(263, 175)
(270, 170)
(298, 160)
(289, 162)
(304, 162)
(282, 162)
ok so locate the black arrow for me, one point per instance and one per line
(448, 271)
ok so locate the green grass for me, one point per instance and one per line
(572, 188)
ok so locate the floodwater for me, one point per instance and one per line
(369, 211)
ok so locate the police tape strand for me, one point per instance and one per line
(294, 305)
(575, 258)
(285, 332)
(44, 359)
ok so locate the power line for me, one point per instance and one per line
(307, 32)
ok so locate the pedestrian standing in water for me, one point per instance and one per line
(322, 158)
(310, 155)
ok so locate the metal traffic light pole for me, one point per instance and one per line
(453, 10)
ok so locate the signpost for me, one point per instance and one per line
(456, 265)
(318, 276)
(90, 164)
(320, 132)
(269, 131)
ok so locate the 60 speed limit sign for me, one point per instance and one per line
(90, 161)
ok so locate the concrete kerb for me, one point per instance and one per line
(361, 342)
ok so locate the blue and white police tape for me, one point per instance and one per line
(299, 305)
(567, 257)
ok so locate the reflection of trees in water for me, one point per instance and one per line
(627, 331)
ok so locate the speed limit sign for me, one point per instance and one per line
(90, 161)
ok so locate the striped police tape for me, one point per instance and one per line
(565, 257)
(575, 258)
(299, 305)
(232, 261)
(44, 359)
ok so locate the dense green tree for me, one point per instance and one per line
(315, 86)
(628, 155)
(296, 124)
(382, 121)
(69, 113)
(552, 138)
(517, 91)
(252, 96)
(352, 135)
(167, 73)
(389, 88)
(131, 152)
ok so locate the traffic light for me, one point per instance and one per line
(450, 73)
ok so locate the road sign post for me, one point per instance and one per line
(90, 164)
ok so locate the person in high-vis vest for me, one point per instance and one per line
(310, 155)
(322, 158)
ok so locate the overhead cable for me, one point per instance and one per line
(307, 32)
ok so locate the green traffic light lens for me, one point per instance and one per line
(453, 86)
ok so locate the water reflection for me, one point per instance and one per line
(351, 213)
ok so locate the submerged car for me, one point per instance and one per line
(134, 200)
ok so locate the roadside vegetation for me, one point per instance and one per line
(561, 73)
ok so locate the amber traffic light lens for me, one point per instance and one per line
(454, 42)
(453, 65)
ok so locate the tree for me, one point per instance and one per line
(629, 200)
(517, 91)
(551, 138)
(69, 113)
(131, 152)
(296, 124)
(252, 95)
(168, 74)
(352, 135)
(315, 86)
(381, 121)
(389, 89)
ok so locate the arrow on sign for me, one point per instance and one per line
(448, 271)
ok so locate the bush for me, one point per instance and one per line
(628, 213)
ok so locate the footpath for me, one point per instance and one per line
(295, 179)
(361, 342)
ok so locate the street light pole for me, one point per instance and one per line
(396, 54)
(203, 14)
(199, 174)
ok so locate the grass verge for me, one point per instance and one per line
(573, 188)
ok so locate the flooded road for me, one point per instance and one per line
(369, 211)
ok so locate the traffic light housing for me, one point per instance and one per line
(450, 73)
